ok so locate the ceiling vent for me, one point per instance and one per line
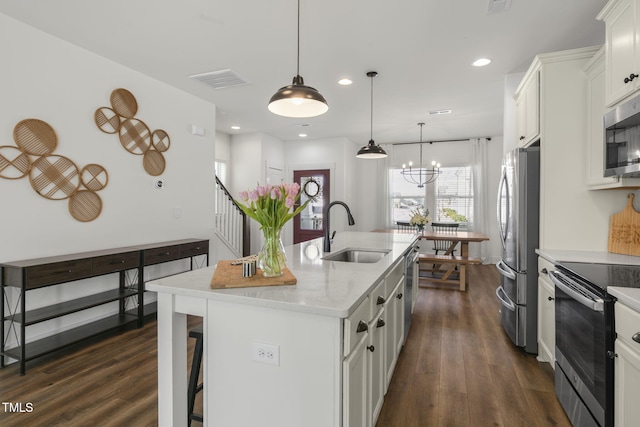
(496, 6)
(220, 79)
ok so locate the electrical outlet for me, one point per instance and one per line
(265, 353)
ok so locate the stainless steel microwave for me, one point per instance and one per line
(622, 139)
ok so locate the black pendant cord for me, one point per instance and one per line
(298, 57)
(371, 135)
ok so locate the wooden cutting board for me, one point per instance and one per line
(624, 230)
(230, 276)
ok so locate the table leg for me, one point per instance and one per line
(172, 363)
(464, 252)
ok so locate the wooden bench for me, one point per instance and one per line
(450, 275)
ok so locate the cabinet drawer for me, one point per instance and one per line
(118, 262)
(358, 320)
(195, 248)
(50, 274)
(393, 277)
(627, 325)
(544, 267)
(164, 254)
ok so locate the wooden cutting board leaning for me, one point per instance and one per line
(624, 230)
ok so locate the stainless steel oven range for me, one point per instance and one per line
(584, 338)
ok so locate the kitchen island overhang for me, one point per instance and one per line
(305, 322)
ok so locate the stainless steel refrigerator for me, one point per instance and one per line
(518, 222)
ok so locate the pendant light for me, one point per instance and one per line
(371, 150)
(298, 100)
(421, 176)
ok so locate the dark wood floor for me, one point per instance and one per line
(456, 369)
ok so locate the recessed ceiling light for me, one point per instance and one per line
(439, 112)
(235, 127)
(345, 82)
(481, 62)
(302, 135)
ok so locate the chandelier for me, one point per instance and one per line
(421, 176)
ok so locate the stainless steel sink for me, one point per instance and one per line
(358, 255)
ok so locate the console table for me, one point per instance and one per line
(37, 273)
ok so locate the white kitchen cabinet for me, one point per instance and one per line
(622, 50)
(356, 385)
(627, 366)
(394, 332)
(527, 99)
(546, 313)
(563, 134)
(376, 365)
(595, 70)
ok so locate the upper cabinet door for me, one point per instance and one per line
(528, 110)
(621, 20)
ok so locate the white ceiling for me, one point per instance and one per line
(421, 49)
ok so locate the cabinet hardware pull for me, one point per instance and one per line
(544, 271)
(362, 327)
(399, 296)
(630, 78)
(63, 272)
(636, 337)
(116, 262)
(550, 298)
(380, 323)
(371, 348)
(611, 354)
(521, 138)
(380, 300)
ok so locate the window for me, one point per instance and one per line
(221, 171)
(454, 195)
(405, 197)
(448, 199)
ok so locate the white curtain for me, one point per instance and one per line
(382, 176)
(479, 166)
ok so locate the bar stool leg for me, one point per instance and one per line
(194, 387)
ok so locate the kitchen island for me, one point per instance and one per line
(321, 364)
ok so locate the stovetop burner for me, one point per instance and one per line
(605, 275)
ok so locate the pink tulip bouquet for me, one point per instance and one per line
(270, 206)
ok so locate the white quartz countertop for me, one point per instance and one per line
(628, 296)
(558, 255)
(330, 288)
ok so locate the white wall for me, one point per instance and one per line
(49, 79)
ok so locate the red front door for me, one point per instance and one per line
(314, 185)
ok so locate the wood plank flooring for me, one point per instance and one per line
(456, 369)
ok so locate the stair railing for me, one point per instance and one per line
(231, 223)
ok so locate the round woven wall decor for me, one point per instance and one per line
(107, 120)
(135, 136)
(153, 162)
(54, 177)
(124, 103)
(160, 140)
(14, 164)
(35, 137)
(94, 177)
(85, 205)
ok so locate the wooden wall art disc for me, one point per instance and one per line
(54, 177)
(135, 136)
(85, 205)
(14, 164)
(107, 120)
(35, 137)
(124, 103)
(94, 177)
(160, 140)
(153, 162)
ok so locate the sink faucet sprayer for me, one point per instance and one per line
(325, 217)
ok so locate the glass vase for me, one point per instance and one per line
(272, 259)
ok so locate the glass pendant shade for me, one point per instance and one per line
(298, 100)
(371, 151)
